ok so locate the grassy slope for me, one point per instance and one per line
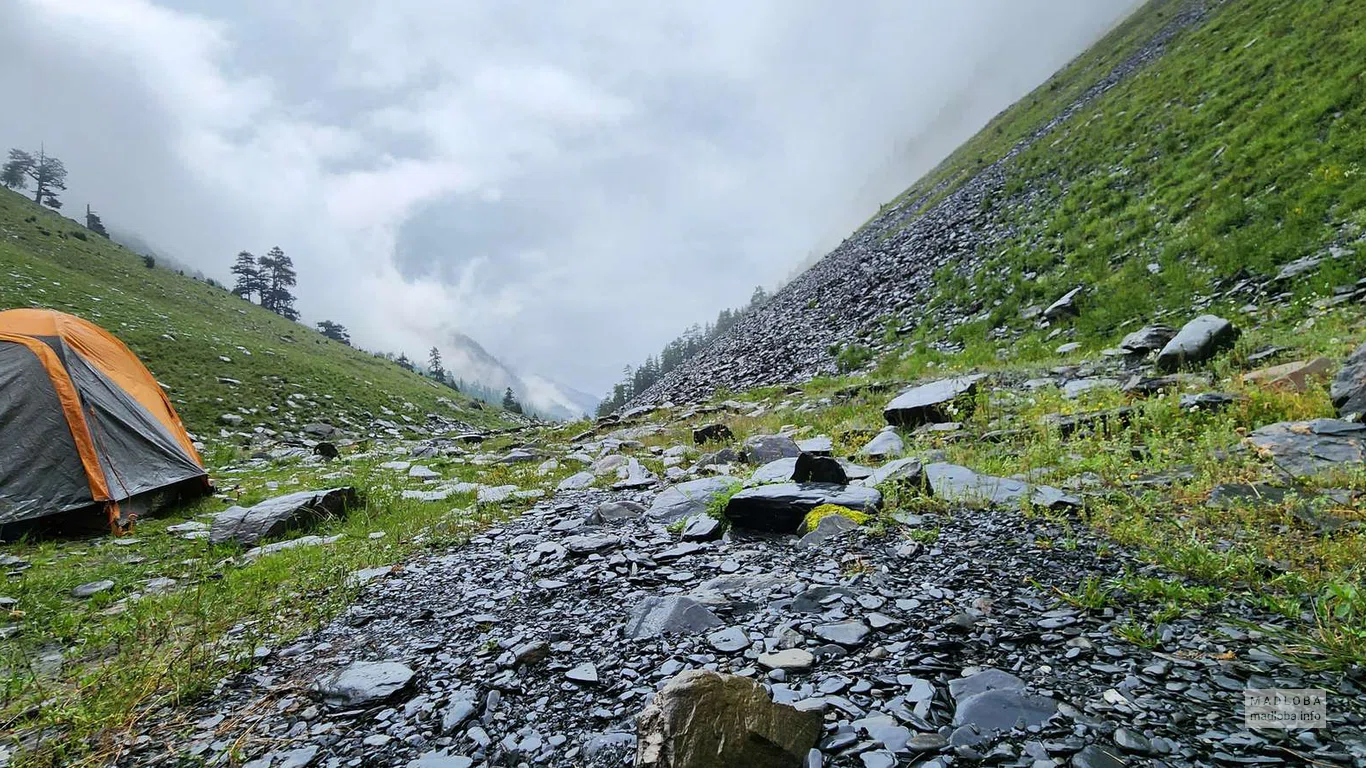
(43, 263)
(1239, 150)
(1040, 106)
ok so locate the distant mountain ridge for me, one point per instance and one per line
(466, 359)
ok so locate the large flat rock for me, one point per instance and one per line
(1308, 448)
(781, 508)
(929, 403)
(278, 515)
(1196, 342)
(687, 499)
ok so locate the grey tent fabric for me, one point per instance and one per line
(40, 470)
(135, 450)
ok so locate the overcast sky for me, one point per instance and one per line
(570, 183)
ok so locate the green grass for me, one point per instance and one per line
(124, 657)
(1042, 105)
(1235, 153)
(180, 327)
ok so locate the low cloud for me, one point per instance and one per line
(572, 184)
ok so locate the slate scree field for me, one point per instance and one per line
(1057, 460)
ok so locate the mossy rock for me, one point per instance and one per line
(814, 517)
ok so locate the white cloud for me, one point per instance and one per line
(571, 184)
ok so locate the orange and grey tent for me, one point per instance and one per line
(83, 425)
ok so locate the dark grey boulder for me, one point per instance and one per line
(364, 684)
(781, 508)
(1065, 306)
(711, 432)
(726, 455)
(320, 430)
(1308, 448)
(1198, 341)
(818, 469)
(688, 499)
(1349, 387)
(278, 515)
(761, 449)
(929, 403)
(1147, 339)
(672, 615)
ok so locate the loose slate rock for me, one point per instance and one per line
(702, 528)
(778, 471)
(928, 403)
(1349, 387)
(886, 445)
(1147, 339)
(761, 449)
(687, 499)
(90, 589)
(781, 508)
(1198, 341)
(729, 640)
(793, 659)
(1065, 306)
(671, 615)
(1098, 757)
(818, 469)
(703, 718)
(850, 634)
(711, 432)
(364, 683)
(275, 516)
(1308, 448)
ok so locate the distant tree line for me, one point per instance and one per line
(674, 354)
(47, 174)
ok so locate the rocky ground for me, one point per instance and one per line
(953, 630)
(540, 641)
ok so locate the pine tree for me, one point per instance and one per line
(249, 278)
(510, 403)
(93, 223)
(335, 332)
(404, 362)
(434, 365)
(278, 276)
(47, 173)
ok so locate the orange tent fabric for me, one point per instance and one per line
(111, 356)
(78, 407)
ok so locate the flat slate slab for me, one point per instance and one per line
(1196, 342)
(275, 516)
(688, 499)
(928, 403)
(781, 508)
(1308, 448)
(364, 683)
